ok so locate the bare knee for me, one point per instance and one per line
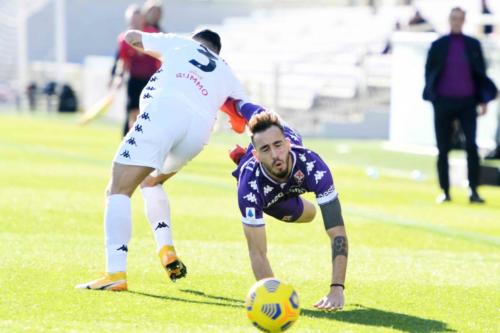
(126, 178)
(117, 188)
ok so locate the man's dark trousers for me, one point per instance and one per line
(446, 110)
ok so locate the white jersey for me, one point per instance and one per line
(191, 74)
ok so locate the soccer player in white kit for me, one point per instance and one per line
(178, 110)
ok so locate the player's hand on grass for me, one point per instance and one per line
(333, 301)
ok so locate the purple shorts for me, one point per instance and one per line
(288, 210)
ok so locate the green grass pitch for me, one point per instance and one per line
(414, 266)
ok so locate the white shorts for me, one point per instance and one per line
(165, 136)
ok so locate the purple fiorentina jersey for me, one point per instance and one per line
(257, 191)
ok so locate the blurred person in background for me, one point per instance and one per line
(68, 102)
(456, 83)
(489, 30)
(418, 23)
(31, 92)
(152, 11)
(495, 153)
(132, 66)
(485, 10)
(50, 91)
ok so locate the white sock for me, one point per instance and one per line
(117, 228)
(157, 210)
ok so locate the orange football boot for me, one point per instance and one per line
(237, 121)
(110, 281)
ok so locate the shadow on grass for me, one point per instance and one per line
(373, 317)
(358, 315)
(178, 299)
(219, 298)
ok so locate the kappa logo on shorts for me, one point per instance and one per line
(125, 154)
(147, 95)
(250, 213)
(287, 218)
(138, 128)
(131, 141)
(159, 70)
(145, 116)
(150, 88)
(153, 79)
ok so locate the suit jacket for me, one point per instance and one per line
(486, 90)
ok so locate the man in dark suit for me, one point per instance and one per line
(456, 83)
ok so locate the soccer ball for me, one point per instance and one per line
(272, 306)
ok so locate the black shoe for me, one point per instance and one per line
(443, 198)
(474, 198)
(176, 270)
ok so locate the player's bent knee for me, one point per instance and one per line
(120, 190)
(126, 178)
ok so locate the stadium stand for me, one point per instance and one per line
(296, 59)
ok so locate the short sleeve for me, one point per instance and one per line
(320, 179)
(250, 207)
(123, 47)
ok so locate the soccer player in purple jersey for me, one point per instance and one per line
(272, 174)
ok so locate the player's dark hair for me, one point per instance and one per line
(262, 121)
(212, 39)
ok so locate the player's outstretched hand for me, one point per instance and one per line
(333, 301)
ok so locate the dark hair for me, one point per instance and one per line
(211, 38)
(263, 121)
(457, 9)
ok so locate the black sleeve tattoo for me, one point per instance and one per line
(339, 247)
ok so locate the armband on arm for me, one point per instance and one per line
(332, 214)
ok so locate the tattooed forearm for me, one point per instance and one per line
(339, 247)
